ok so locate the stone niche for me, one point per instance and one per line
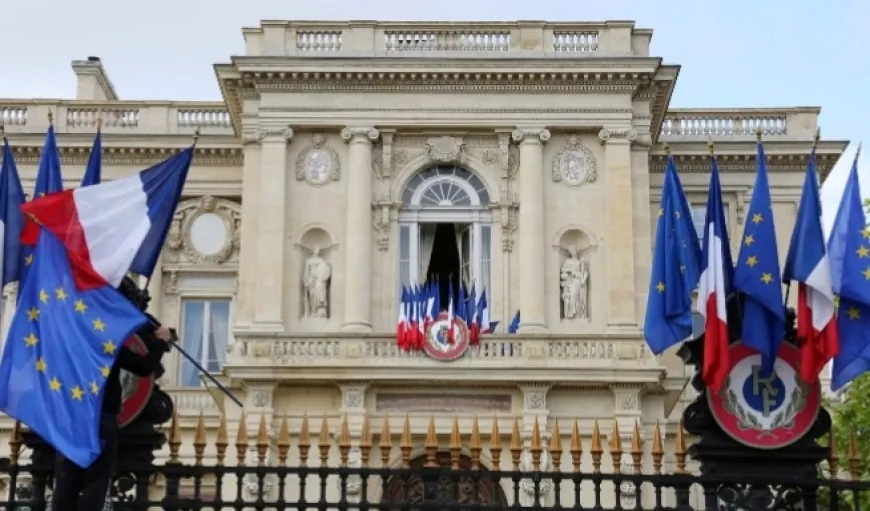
(576, 272)
(315, 290)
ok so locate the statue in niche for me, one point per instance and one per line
(315, 280)
(574, 282)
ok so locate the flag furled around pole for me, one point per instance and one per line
(11, 218)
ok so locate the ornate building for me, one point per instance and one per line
(347, 159)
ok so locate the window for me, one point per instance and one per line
(205, 332)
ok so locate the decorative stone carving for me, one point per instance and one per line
(316, 277)
(253, 137)
(318, 163)
(489, 157)
(626, 399)
(513, 160)
(204, 231)
(170, 283)
(527, 134)
(535, 397)
(371, 134)
(382, 157)
(611, 135)
(381, 225)
(447, 150)
(528, 485)
(508, 219)
(400, 157)
(574, 165)
(574, 284)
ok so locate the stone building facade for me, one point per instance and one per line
(323, 178)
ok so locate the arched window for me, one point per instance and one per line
(445, 229)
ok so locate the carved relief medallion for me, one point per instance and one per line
(318, 163)
(204, 230)
(574, 165)
(447, 150)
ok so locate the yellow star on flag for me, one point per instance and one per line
(55, 384)
(105, 370)
(60, 294)
(28, 259)
(661, 212)
(80, 306)
(95, 389)
(77, 393)
(31, 340)
(751, 261)
(99, 326)
(33, 314)
(757, 218)
(749, 240)
(767, 278)
(867, 273)
(109, 347)
(863, 251)
(866, 232)
(40, 365)
(661, 287)
(43, 296)
(854, 313)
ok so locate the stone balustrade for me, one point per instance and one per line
(737, 124)
(125, 117)
(193, 400)
(446, 39)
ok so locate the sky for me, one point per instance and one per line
(733, 53)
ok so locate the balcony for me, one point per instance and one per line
(121, 117)
(739, 125)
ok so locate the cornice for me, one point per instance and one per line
(700, 163)
(204, 156)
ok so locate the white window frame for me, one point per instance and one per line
(215, 287)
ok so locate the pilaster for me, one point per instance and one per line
(353, 405)
(621, 314)
(627, 409)
(531, 227)
(535, 406)
(247, 289)
(271, 230)
(358, 258)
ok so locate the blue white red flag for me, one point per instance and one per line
(402, 320)
(11, 219)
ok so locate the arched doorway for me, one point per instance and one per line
(445, 229)
(477, 489)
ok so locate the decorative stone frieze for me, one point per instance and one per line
(318, 163)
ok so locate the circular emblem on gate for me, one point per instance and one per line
(135, 390)
(439, 344)
(765, 413)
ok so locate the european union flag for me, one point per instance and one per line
(48, 180)
(675, 268)
(757, 274)
(60, 349)
(850, 261)
(11, 218)
(94, 170)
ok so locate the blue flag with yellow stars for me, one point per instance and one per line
(849, 247)
(60, 349)
(675, 269)
(757, 274)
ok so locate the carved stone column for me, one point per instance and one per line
(619, 228)
(531, 225)
(271, 230)
(358, 256)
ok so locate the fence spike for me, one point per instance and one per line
(455, 444)
(242, 440)
(854, 458)
(405, 444)
(516, 446)
(262, 441)
(495, 444)
(833, 456)
(365, 442)
(344, 442)
(474, 445)
(15, 442)
(222, 441)
(596, 450)
(636, 449)
(616, 448)
(576, 447)
(657, 450)
(556, 445)
(386, 444)
(199, 439)
(535, 447)
(283, 442)
(323, 443)
(680, 450)
(431, 444)
(174, 438)
(304, 441)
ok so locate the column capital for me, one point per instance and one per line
(268, 134)
(617, 135)
(533, 135)
(351, 134)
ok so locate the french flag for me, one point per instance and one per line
(402, 321)
(114, 227)
(715, 283)
(807, 263)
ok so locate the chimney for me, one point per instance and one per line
(92, 81)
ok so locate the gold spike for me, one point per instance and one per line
(680, 450)
(15, 442)
(431, 444)
(667, 149)
(596, 450)
(657, 450)
(833, 456)
(455, 444)
(242, 440)
(344, 442)
(100, 123)
(711, 147)
(283, 442)
(758, 134)
(636, 449)
(262, 441)
(616, 449)
(323, 443)
(50, 118)
(405, 444)
(556, 446)
(199, 440)
(174, 438)
(516, 447)
(365, 442)
(495, 444)
(817, 138)
(386, 443)
(222, 441)
(536, 448)
(854, 458)
(576, 447)
(304, 441)
(474, 445)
